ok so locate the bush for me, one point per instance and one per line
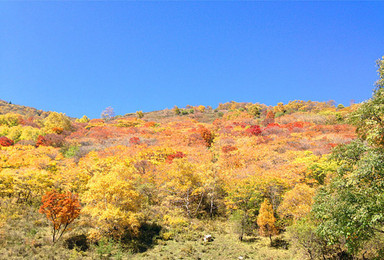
(134, 140)
(57, 122)
(54, 140)
(4, 141)
(253, 130)
(140, 114)
(10, 120)
(70, 151)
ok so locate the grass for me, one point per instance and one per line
(226, 245)
(27, 235)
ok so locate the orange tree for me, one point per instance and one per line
(61, 210)
(266, 220)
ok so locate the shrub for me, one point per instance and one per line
(10, 120)
(70, 151)
(4, 141)
(54, 140)
(175, 155)
(207, 135)
(228, 148)
(134, 140)
(57, 122)
(140, 114)
(253, 130)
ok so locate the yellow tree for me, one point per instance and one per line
(182, 187)
(111, 199)
(243, 201)
(266, 220)
(297, 203)
(56, 122)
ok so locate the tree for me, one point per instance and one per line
(107, 113)
(61, 210)
(207, 135)
(54, 140)
(369, 117)
(254, 110)
(297, 202)
(183, 187)
(84, 119)
(266, 220)
(57, 122)
(10, 119)
(380, 64)
(140, 114)
(350, 209)
(111, 199)
(176, 110)
(244, 199)
(253, 130)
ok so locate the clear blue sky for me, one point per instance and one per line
(82, 56)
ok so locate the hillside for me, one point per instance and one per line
(8, 107)
(169, 177)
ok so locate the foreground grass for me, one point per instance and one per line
(27, 235)
(223, 247)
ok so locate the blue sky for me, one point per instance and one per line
(80, 57)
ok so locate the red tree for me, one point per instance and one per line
(61, 210)
(175, 155)
(5, 141)
(254, 130)
(134, 140)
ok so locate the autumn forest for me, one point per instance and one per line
(302, 180)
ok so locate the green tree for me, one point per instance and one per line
(369, 117)
(350, 209)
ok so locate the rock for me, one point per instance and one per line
(208, 238)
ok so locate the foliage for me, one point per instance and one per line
(132, 172)
(304, 237)
(4, 141)
(244, 198)
(207, 135)
(380, 64)
(84, 119)
(254, 130)
(350, 208)
(297, 203)
(254, 110)
(266, 220)
(112, 201)
(61, 210)
(54, 140)
(107, 113)
(134, 140)
(176, 110)
(70, 151)
(10, 120)
(56, 121)
(140, 114)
